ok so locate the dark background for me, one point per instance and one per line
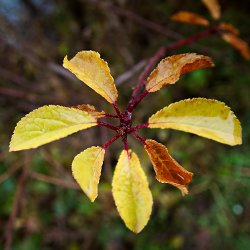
(40, 204)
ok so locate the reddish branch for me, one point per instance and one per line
(108, 143)
(160, 53)
(137, 95)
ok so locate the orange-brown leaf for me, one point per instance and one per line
(190, 17)
(166, 168)
(214, 8)
(90, 109)
(238, 44)
(171, 68)
(229, 28)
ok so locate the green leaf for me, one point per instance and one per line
(131, 192)
(86, 169)
(205, 117)
(47, 124)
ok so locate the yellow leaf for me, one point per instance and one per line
(131, 192)
(214, 8)
(166, 168)
(238, 44)
(90, 109)
(190, 17)
(47, 124)
(229, 28)
(86, 169)
(93, 71)
(205, 117)
(171, 68)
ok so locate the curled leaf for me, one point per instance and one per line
(190, 17)
(204, 117)
(93, 71)
(171, 68)
(238, 44)
(47, 124)
(229, 28)
(214, 8)
(131, 192)
(166, 168)
(86, 169)
(90, 109)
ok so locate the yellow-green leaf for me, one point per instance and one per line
(205, 117)
(93, 71)
(171, 68)
(190, 17)
(214, 8)
(167, 169)
(131, 192)
(86, 169)
(47, 124)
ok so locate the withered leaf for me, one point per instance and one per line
(171, 68)
(190, 17)
(166, 168)
(238, 44)
(214, 8)
(229, 28)
(90, 109)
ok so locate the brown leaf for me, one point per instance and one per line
(90, 109)
(238, 44)
(166, 168)
(229, 28)
(190, 17)
(214, 8)
(171, 68)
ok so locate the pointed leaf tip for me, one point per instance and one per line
(47, 124)
(166, 168)
(213, 7)
(171, 68)
(204, 117)
(86, 169)
(94, 72)
(131, 193)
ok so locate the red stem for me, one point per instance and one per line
(114, 104)
(156, 57)
(133, 104)
(125, 144)
(111, 115)
(140, 126)
(103, 124)
(108, 143)
(142, 140)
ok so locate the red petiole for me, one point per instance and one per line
(137, 95)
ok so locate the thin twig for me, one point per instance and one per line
(54, 180)
(11, 170)
(15, 208)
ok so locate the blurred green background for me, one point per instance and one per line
(41, 206)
